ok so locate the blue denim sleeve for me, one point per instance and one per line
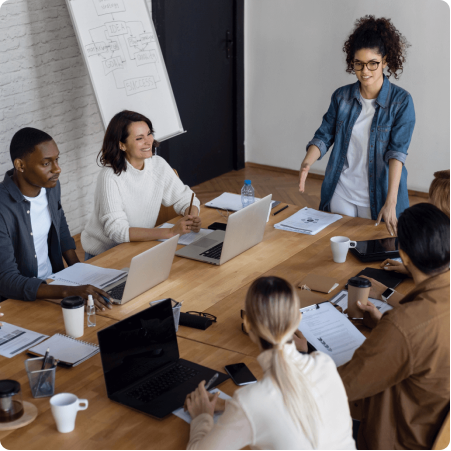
(401, 131)
(66, 240)
(325, 135)
(12, 283)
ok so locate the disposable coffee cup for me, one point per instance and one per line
(340, 246)
(358, 290)
(74, 315)
(65, 407)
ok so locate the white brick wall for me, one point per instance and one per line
(44, 84)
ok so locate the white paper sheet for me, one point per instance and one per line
(307, 221)
(341, 299)
(232, 202)
(188, 238)
(84, 274)
(185, 416)
(329, 331)
(15, 339)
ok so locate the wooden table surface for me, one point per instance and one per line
(219, 290)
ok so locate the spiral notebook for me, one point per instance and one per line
(66, 349)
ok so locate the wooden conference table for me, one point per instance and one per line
(219, 290)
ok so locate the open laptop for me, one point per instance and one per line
(245, 229)
(146, 270)
(141, 363)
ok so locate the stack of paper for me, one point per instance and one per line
(308, 221)
(231, 202)
(188, 238)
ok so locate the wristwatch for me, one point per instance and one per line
(387, 294)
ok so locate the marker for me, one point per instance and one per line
(282, 209)
(211, 381)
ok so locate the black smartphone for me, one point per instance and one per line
(240, 374)
(217, 226)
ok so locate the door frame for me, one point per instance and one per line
(159, 19)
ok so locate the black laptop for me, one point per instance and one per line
(376, 250)
(141, 364)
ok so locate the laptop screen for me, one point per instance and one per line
(138, 346)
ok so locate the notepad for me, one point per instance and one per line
(331, 332)
(188, 238)
(232, 202)
(66, 349)
(85, 274)
(307, 221)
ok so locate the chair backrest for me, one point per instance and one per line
(166, 213)
(442, 440)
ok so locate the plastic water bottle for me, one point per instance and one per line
(247, 194)
(91, 312)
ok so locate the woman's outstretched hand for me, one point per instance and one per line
(305, 168)
(388, 214)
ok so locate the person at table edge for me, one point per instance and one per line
(370, 123)
(34, 236)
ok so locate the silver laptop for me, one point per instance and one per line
(245, 229)
(146, 270)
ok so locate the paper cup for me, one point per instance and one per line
(358, 290)
(74, 315)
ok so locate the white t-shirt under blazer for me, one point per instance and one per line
(132, 199)
(257, 416)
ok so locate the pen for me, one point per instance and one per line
(282, 209)
(211, 381)
(44, 362)
(106, 299)
(191, 204)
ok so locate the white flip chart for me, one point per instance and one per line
(120, 47)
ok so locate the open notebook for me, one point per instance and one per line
(66, 349)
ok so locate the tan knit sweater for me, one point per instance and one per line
(132, 199)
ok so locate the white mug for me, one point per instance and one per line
(340, 246)
(64, 409)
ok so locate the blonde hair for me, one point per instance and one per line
(272, 311)
(439, 191)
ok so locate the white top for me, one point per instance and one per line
(40, 224)
(132, 199)
(353, 183)
(257, 416)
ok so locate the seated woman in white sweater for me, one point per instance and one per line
(131, 188)
(299, 404)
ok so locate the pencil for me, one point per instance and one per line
(191, 204)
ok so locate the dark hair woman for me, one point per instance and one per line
(370, 123)
(132, 186)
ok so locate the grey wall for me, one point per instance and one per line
(294, 62)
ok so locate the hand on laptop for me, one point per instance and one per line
(200, 401)
(98, 295)
(393, 265)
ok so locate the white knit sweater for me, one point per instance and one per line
(132, 199)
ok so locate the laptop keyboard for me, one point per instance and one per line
(214, 252)
(118, 291)
(162, 383)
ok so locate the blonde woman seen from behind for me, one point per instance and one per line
(300, 403)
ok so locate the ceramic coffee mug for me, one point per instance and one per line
(64, 409)
(340, 246)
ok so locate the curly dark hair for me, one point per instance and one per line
(110, 154)
(380, 34)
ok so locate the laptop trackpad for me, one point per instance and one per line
(204, 243)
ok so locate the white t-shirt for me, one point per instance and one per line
(40, 224)
(353, 183)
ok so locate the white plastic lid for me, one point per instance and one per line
(90, 300)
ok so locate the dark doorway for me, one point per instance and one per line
(202, 43)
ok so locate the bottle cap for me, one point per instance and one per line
(90, 300)
(247, 182)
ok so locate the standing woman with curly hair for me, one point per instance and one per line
(370, 123)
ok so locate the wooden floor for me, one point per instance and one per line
(283, 186)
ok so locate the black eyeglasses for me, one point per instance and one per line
(372, 65)
(205, 315)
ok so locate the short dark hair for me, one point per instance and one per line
(25, 141)
(110, 154)
(423, 234)
(379, 34)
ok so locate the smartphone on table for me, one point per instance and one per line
(240, 374)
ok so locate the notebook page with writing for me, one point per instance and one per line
(66, 349)
(85, 274)
(331, 332)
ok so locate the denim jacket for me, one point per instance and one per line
(390, 135)
(18, 262)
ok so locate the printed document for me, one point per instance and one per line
(85, 274)
(185, 416)
(341, 299)
(330, 331)
(188, 238)
(15, 339)
(308, 221)
(232, 202)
